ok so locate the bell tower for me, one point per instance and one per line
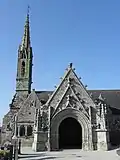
(24, 65)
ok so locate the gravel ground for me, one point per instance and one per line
(27, 154)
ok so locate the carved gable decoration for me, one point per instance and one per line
(27, 110)
(70, 100)
(70, 93)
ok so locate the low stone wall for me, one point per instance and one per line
(26, 142)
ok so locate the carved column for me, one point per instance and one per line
(25, 130)
(103, 141)
(18, 131)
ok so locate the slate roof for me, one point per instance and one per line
(112, 97)
(43, 95)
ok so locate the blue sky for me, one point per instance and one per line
(85, 32)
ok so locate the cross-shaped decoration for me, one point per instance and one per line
(71, 65)
(28, 10)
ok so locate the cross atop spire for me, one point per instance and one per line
(28, 10)
(26, 37)
(71, 65)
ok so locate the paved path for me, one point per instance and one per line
(71, 155)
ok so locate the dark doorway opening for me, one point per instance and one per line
(70, 134)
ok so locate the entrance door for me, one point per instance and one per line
(70, 134)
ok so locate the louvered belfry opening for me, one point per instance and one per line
(70, 134)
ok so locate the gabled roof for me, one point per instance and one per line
(43, 95)
(70, 78)
(112, 97)
(27, 109)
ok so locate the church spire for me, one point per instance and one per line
(26, 36)
(24, 69)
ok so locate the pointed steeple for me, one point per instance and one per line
(26, 36)
(24, 69)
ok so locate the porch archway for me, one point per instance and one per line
(70, 134)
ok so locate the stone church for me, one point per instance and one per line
(68, 117)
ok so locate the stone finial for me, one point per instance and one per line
(100, 97)
(69, 80)
(69, 83)
(71, 65)
(28, 10)
(68, 98)
(91, 94)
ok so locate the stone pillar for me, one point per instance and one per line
(19, 146)
(15, 139)
(40, 142)
(35, 142)
(48, 143)
(26, 131)
(11, 151)
(15, 126)
(16, 150)
(18, 131)
(103, 140)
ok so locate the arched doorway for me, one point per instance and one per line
(70, 134)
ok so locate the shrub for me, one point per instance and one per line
(4, 153)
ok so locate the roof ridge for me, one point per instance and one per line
(44, 91)
(87, 90)
(103, 89)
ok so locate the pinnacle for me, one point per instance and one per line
(26, 36)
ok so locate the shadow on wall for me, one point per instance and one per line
(114, 147)
(115, 138)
